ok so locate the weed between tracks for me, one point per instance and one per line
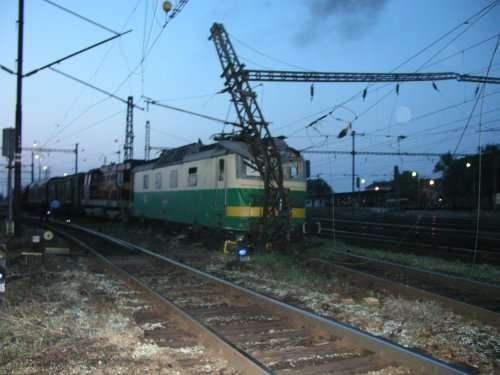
(287, 268)
(479, 272)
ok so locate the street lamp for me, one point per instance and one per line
(363, 181)
(467, 165)
(414, 173)
(377, 188)
(431, 182)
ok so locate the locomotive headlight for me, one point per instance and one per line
(243, 252)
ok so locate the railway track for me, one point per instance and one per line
(432, 240)
(472, 299)
(260, 334)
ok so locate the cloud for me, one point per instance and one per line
(350, 19)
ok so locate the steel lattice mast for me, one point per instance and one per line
(297, 76)
(128, 146)
(253, 130)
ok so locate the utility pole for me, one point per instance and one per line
(397, 187)
(495, 180)
(147, 146)
(76, 158)
(32, 165)
(9, 194)
(353, 153)
(128, 147)
(19, 120)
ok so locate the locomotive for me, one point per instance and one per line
(212, 186)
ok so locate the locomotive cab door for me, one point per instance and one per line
(220, 190)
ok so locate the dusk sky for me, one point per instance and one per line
(183, 70)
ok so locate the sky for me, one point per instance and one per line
(182, 69)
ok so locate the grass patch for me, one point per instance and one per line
(288, 268)
(479, 272)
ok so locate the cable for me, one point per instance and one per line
(77, 98)
(484, 41)
(469, 26)
(171, 135)
(80, 16)
(482, 95)
(94, 124)
(476, 238)
(203, 96)
(266, 55)
(196, 114)
(469, 21)
(176, 11)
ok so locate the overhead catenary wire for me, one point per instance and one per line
(474, 45)
(196, 114)
(481, 96)
(180, 5)
(469, 21)
(478, 212)
(109, 95)
(69, 11)
(60, 128)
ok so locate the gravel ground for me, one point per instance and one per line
(422, 325)
(69, 320)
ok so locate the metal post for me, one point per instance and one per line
(353, 152)
(76, 158)
(397, 187)
(495, 181)
(19, 119)
(32, 165)
(9, 194)
(147, 146)
(128, 147)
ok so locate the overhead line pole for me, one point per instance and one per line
(147, 146)
(76, 158)
(19, 120)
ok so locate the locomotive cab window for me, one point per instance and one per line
(145, 182)
(193, 176)
(250, 168)
(173, 179)
(158, 180)
(221, 170)
(291, 170)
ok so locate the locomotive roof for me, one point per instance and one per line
(199, 151)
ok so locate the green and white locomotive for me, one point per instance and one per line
(214, 186)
